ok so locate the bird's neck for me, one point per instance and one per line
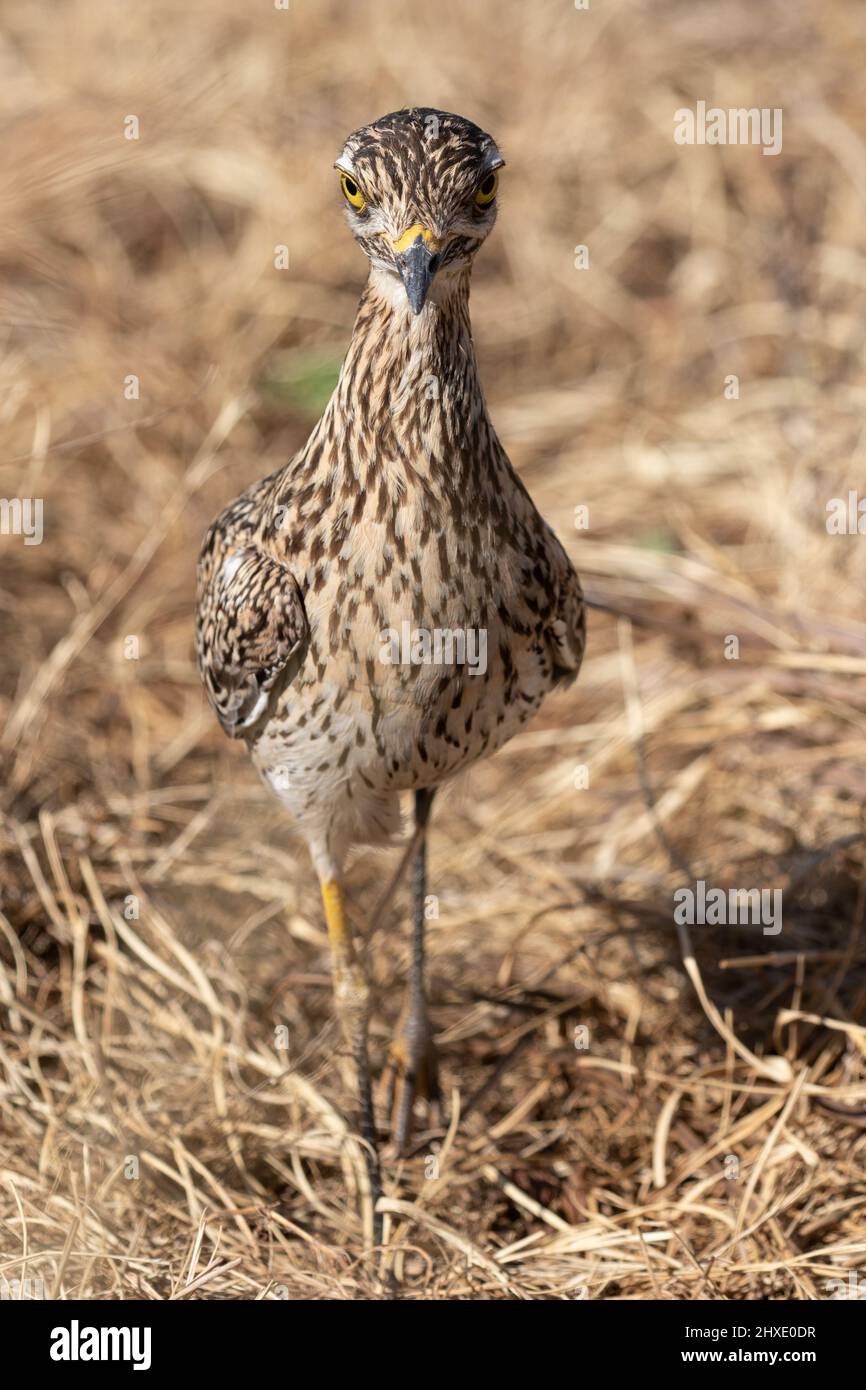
(408, 401)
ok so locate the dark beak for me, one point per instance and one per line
(417, 266)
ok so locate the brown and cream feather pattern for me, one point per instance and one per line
(402, 508)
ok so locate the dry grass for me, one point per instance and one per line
(689, 1151)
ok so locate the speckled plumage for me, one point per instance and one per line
(401, 507)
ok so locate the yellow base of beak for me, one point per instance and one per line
(411, 235)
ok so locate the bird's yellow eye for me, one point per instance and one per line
(352, 193)
(486, 191)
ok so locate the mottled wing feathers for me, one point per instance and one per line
(561, 598)
(252, 636)
(567, 632)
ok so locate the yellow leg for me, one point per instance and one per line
(413, 1068)
(350, 989)
(350, 999)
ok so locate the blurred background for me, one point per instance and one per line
(636, 1111)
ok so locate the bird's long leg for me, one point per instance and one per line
(419, 1064)
(351, 997)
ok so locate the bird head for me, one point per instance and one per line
(420, 192)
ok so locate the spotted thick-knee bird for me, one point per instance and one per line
(389, 606)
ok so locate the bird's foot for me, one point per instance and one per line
(411, 1073)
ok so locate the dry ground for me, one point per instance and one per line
(160, 918)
